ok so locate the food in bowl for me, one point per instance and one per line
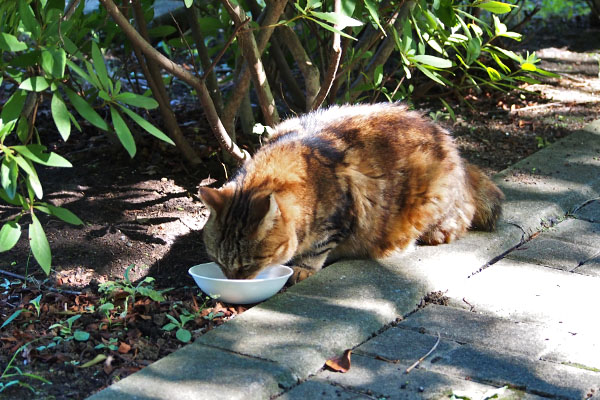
(213, 282)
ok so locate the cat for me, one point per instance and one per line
(347, 181)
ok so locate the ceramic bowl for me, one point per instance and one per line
(213, 282)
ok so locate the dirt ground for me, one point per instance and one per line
(145, 212)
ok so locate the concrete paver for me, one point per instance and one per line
(534, 324)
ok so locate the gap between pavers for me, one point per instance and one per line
(316, 319)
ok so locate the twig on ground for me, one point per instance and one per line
(420, 360)
(517, 110)
(471, 306)
(50, 288)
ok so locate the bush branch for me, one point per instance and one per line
(177, 70)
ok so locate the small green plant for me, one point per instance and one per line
(105, 309)
(67, 332)
(11, 318)
(111, 345)
(10, 378)
(182, 334)
(144, 288)
(36, 304)
(541, 142)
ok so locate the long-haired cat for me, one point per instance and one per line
(347, 181)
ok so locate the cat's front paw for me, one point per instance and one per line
(300, 274)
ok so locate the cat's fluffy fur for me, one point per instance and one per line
(348, 181)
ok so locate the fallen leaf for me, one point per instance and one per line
(340, 364)
(124, 348)
(96, 360)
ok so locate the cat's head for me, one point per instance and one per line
(246, 231)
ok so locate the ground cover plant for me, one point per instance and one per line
(98, 315)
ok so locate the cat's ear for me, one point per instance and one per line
(214, 199)
(264, 210)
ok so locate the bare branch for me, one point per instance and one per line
(272, 13)
(309, 70)
(334, 62)
(257, 70)
(177, 70)
(152, 73)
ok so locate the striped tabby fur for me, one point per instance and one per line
(348, 181)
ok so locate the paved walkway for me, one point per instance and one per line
(524, 311)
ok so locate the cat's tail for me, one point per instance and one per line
(488, 199)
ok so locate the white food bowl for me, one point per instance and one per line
(213, 282)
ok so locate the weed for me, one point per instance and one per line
(36, 304)
(9, 378)
(144, 288)
(66, 330)
(111, 345)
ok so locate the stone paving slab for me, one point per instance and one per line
(477, 363)
(553, 181)
(554, 253)
(575, 231)
(590, 267)
(386, 380)
(525, 292)
(300, 332)
(531, 339)
(590, 212)
(318, 389)
(202, 372)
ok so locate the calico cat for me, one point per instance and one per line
(347, 181)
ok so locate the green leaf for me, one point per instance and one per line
(528, 67)
(17, 200)
(378, 75)
(373, 12)
(39, 244)
(35, 84)
(473, 50)
(432, 61)
(100, 66)
(9, 235)
(11, 318)
(183, 335)
(450, 110)
(188, 3)
(81, 336)
(9, 42)
(123, 132)
(61, 213)
(340, 20)
(331, 28)
(85, 110)
(60, 115)
(495, 7)
(430, 74)
(79, 71)
(147, 126)
(54, 62)
(494, 74)
(32, 177)
(546, 73)
(527, 79)
(137, 101)
(169, 327)
(9, 172)
(28, 19)
(36, 153)
(23, 129)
